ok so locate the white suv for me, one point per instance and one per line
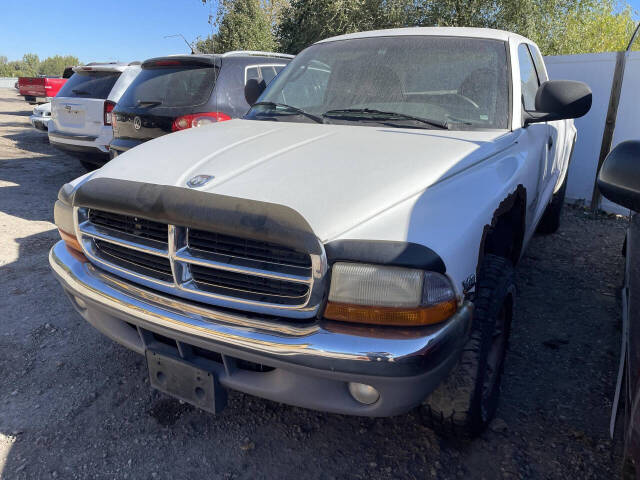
(81, 112)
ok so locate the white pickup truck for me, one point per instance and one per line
(349, 246)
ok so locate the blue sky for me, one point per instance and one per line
(106, 30)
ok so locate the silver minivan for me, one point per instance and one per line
(81, 112)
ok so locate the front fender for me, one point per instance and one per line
(450, 216)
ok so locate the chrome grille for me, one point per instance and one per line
(139, 262)
(208, 267)
(260, 288)
(236, 247)
(130, 225)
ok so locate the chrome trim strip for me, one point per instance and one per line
(185, 255)
(144, 245)
(195, 251)
(90, 251)
(314, 345)
(190, 286)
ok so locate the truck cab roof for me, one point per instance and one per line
(488, 33)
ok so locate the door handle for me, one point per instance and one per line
(550, 143)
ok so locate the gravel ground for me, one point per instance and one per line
(73, 404)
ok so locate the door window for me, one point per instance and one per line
(262, 72)
(528, 78)
(252, 73)
(537, 60)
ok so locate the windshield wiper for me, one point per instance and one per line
(372, 114)
(148, 103)
(81, 92)
(291, 108)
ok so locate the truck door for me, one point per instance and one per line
(537, 140)
(557, 129)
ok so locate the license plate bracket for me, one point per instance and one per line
(186, 381)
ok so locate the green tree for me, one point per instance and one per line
(242, 25)
(558, 26)
(54, 66)
(272, 9)
(592, 28)
(30, 65)
(30, 62)
(207, 45)
(304, 22)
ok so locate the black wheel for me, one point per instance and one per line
(550, 221)
(89, 166)
(464, 404)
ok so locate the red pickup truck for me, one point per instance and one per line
(42, 89)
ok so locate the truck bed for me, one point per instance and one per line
(39, 89)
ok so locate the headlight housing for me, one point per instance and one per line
(383, 295)
(63, 218)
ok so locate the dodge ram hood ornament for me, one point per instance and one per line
(199, 180)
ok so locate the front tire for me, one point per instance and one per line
(465, 403)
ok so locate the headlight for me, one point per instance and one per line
(63, 218)
(376, 294)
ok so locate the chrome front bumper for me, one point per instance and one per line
(311, 362)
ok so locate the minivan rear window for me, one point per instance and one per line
(171, 87)
(89, 85)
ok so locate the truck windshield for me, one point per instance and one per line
(403, 81)
(89, 85)
(170, 87)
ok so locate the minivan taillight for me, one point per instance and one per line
(108, 108)
(198, 120)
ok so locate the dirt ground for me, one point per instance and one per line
(73, 404)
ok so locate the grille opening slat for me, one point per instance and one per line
(131, 225)
(252, 366)
(208, 354)
(143, 263)
(250, 283)
(170, 342)
(130, 255)
(251, 249)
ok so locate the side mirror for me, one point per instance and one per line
(559, 100)
(619, 178)
(253, 89)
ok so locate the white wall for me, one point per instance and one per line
(6, 82)
(628, 122)
(597, 71)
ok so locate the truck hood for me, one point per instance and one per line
(335, 176)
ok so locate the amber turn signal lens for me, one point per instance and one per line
(391, 316)
(71, 242)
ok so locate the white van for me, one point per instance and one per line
(81, 112)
